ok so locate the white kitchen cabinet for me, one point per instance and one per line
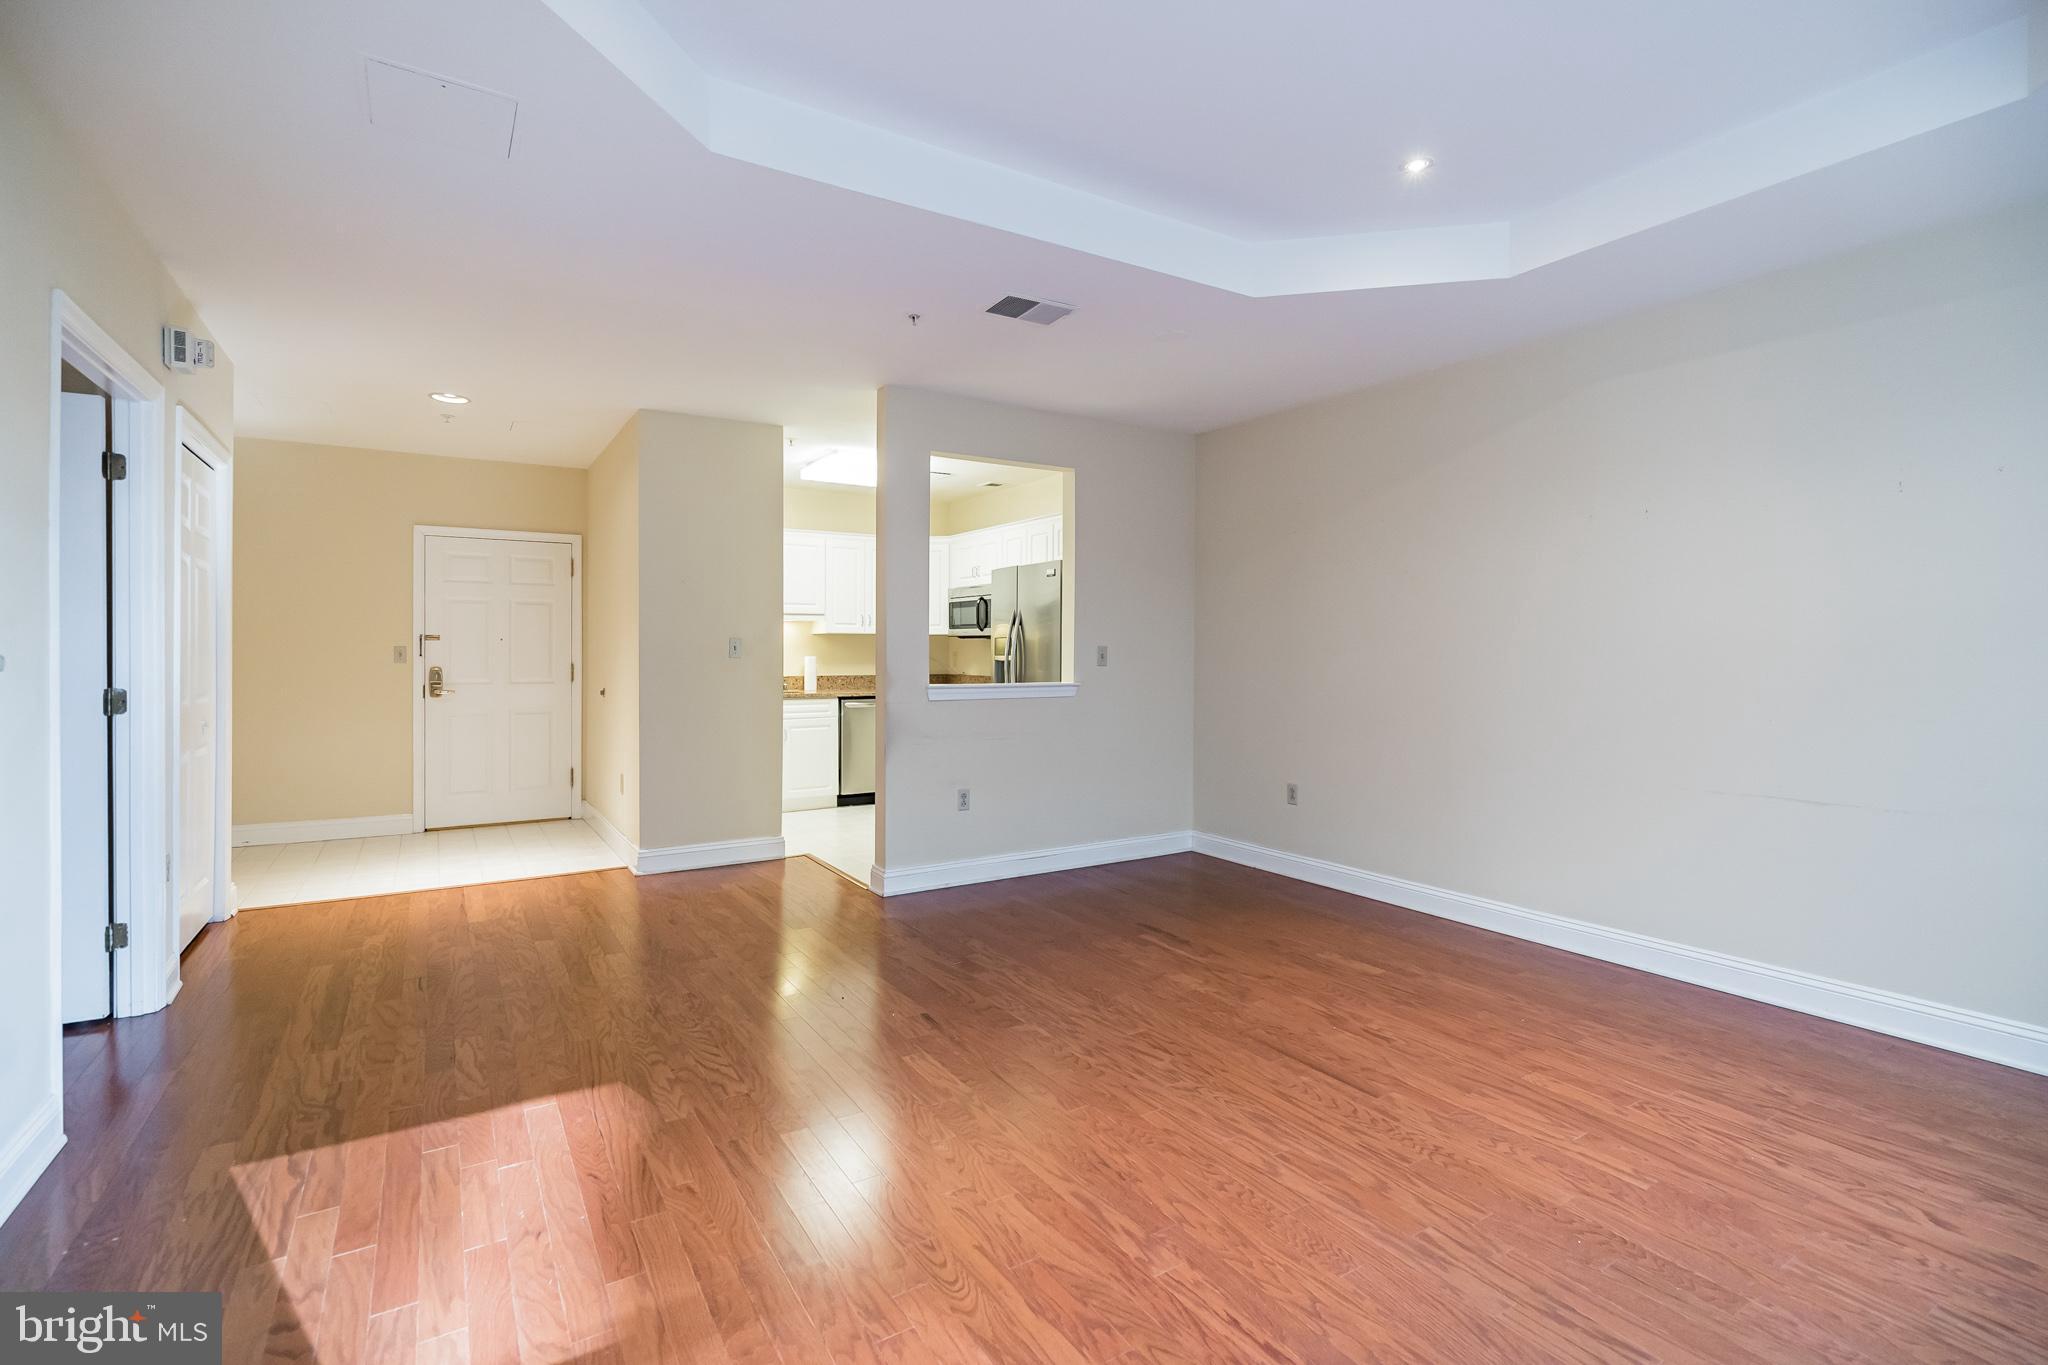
(810, 754)
(803, 573)
(849, 585)
(1015, 543)
(974, 556)
(1041, 540)
(937, 581)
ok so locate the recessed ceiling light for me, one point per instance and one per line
(1416, 165)
(448, 398)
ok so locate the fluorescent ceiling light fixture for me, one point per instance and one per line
(1416, 165)
(855, 467)
(448, 398)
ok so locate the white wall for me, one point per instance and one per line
(1111, 762)
(1726, 623)
(59, 229)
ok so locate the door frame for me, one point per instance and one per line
(574, 540)
(145, 976)
(195, 435)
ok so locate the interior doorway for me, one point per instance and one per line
(114, 819)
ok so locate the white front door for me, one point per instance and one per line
(198, 685)
(498, 720)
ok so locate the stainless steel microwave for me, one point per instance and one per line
(968, 611)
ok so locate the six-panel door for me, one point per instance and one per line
(498, 735)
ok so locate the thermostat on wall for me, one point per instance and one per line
(184, 351)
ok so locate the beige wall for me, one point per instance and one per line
(835, 653)
(710, 569)
(611, 634)
(1722, 624)
(1037, 495)
(810, 508)
(60, 228)
(1111, 762)
(323, 591)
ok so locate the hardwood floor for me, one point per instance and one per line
(1172, 1110)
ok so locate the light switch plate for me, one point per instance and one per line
(1102, 656)
(398, 654)
(732, 648)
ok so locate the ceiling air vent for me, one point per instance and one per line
(1044, 312)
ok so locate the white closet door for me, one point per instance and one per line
(81, 721)
(198, 685)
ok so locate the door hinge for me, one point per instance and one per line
(117, 936)
(572, 566)
(572, 777)
(572, 670)
(114, 701)
(113, 467)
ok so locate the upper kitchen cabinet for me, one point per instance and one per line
(975, 555)
(803, 573)
(849, 585)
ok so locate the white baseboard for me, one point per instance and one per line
(684, 857)
(897, 881)
(306, 831)
(643, 862)
(2006, 1041)
(614, 838)
(29, 1152)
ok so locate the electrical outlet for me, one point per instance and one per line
(960, 800)
(732, 648)
(1102, 656)
(398, 654)
(1293, 794)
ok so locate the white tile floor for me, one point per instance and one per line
(843, 836)
(344, 869)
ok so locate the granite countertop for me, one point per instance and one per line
(829, 685)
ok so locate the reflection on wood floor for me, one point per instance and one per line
(1173, 1110)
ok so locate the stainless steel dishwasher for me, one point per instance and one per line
(856, 750)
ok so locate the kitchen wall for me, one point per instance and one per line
(611, 634)
(1033, 494)
(323, 590)
(1112, 761)
(1721, 623)
(60, 228)
(817, 507)
(710, 570)
(809, 508)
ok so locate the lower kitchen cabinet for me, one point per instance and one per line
(810, 754)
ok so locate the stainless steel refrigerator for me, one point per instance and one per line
(1024, 622)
